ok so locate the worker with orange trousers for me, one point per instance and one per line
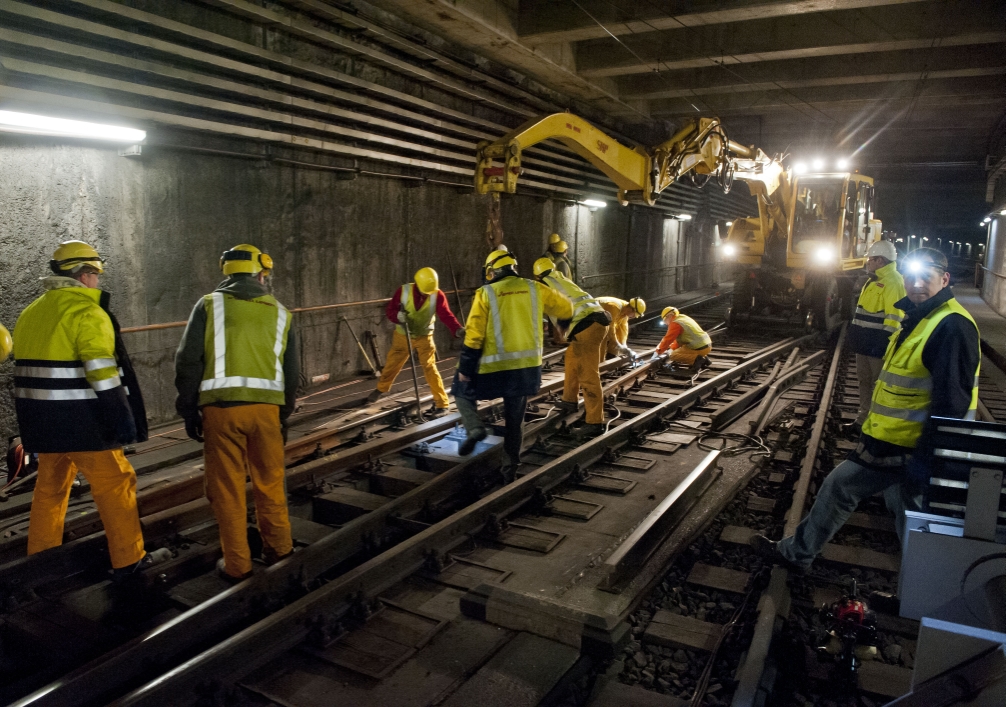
(416, 306)
(587, 330)
(685, 339)
(236, 371)
(76, 406)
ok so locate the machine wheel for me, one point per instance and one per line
(825, 303)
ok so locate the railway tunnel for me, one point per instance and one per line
(736, 161)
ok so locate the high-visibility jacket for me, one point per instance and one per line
(876, 318)
(901, 397)
(561, 263)
(692, 336)
(421, 321)
(583, 303)
(244, 344)
(505, 323)
(67, 388)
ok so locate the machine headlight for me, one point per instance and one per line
(800, 168)
(823, 255)
(729, 250)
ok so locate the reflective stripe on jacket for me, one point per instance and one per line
(901, 397)
(421, 321)
(64, 351)
(244, 344)
(876, 317)
(583, 303)
(692, 336)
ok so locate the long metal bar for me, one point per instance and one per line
(257, 644)
(362, 350)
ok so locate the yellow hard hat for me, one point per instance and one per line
(669, 310)
(245, 258)
(499, 259)
(6, 343)
(70, 255)
(427, 280)
(561, 247)
(638, 305)
(553, 239)
(542, 267)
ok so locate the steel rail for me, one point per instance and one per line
(775, 599)
(253, 646)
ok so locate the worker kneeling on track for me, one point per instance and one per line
(930, 369)
(236, 371)
(877, 318)
(502, 353)
(688, 342)
(415, 306)
(587, 330)
(77, 403)
(617, 335)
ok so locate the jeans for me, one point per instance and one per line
(513, 415)
(847, 485)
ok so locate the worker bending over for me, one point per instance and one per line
(930, 369)
(684, 337)
(620, 312)
(587, 329)
(416, 306)
(236, 371)
(73, 406)
(556, 252)
(501, 356)
(877, 318)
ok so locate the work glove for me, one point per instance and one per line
(117, 416)
(460, 333)
(401, 317)
(194, 427)
(654, 356)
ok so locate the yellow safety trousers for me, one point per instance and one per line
(398, 356)
(582, 362)
(685, 356)
(243, 441)
(113, 486)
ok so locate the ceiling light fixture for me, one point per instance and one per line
(61, 127)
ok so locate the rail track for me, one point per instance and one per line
(411, 558)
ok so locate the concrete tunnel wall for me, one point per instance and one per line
(161, 222)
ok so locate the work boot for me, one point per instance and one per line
(592, 430)
(701, 363)
(130, 573)
(769, 549)
(851, 430)
(374, 396)
(436, 412)
(474, 437)
(567, 407)
(509, 473)
(224, 574)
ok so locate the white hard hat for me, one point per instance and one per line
(885, 249)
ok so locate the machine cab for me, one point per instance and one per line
(832, 221)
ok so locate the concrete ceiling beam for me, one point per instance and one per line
(868, 30)
(943, 62)
(547, 22)
(489, 27)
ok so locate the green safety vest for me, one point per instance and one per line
(420, 321)
(513, 332)
(583, 303)
(692, 336)
(902, 394)
(245, 342)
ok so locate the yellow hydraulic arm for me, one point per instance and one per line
(700, 147)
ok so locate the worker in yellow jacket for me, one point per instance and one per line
(502, 353)
(73, 408)
(236, 372)
(587, 330)
(621, 312)
(416, 306)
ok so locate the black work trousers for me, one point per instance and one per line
(514, 408)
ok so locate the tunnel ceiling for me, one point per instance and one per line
(914, 90)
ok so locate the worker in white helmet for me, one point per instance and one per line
(876, 320)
